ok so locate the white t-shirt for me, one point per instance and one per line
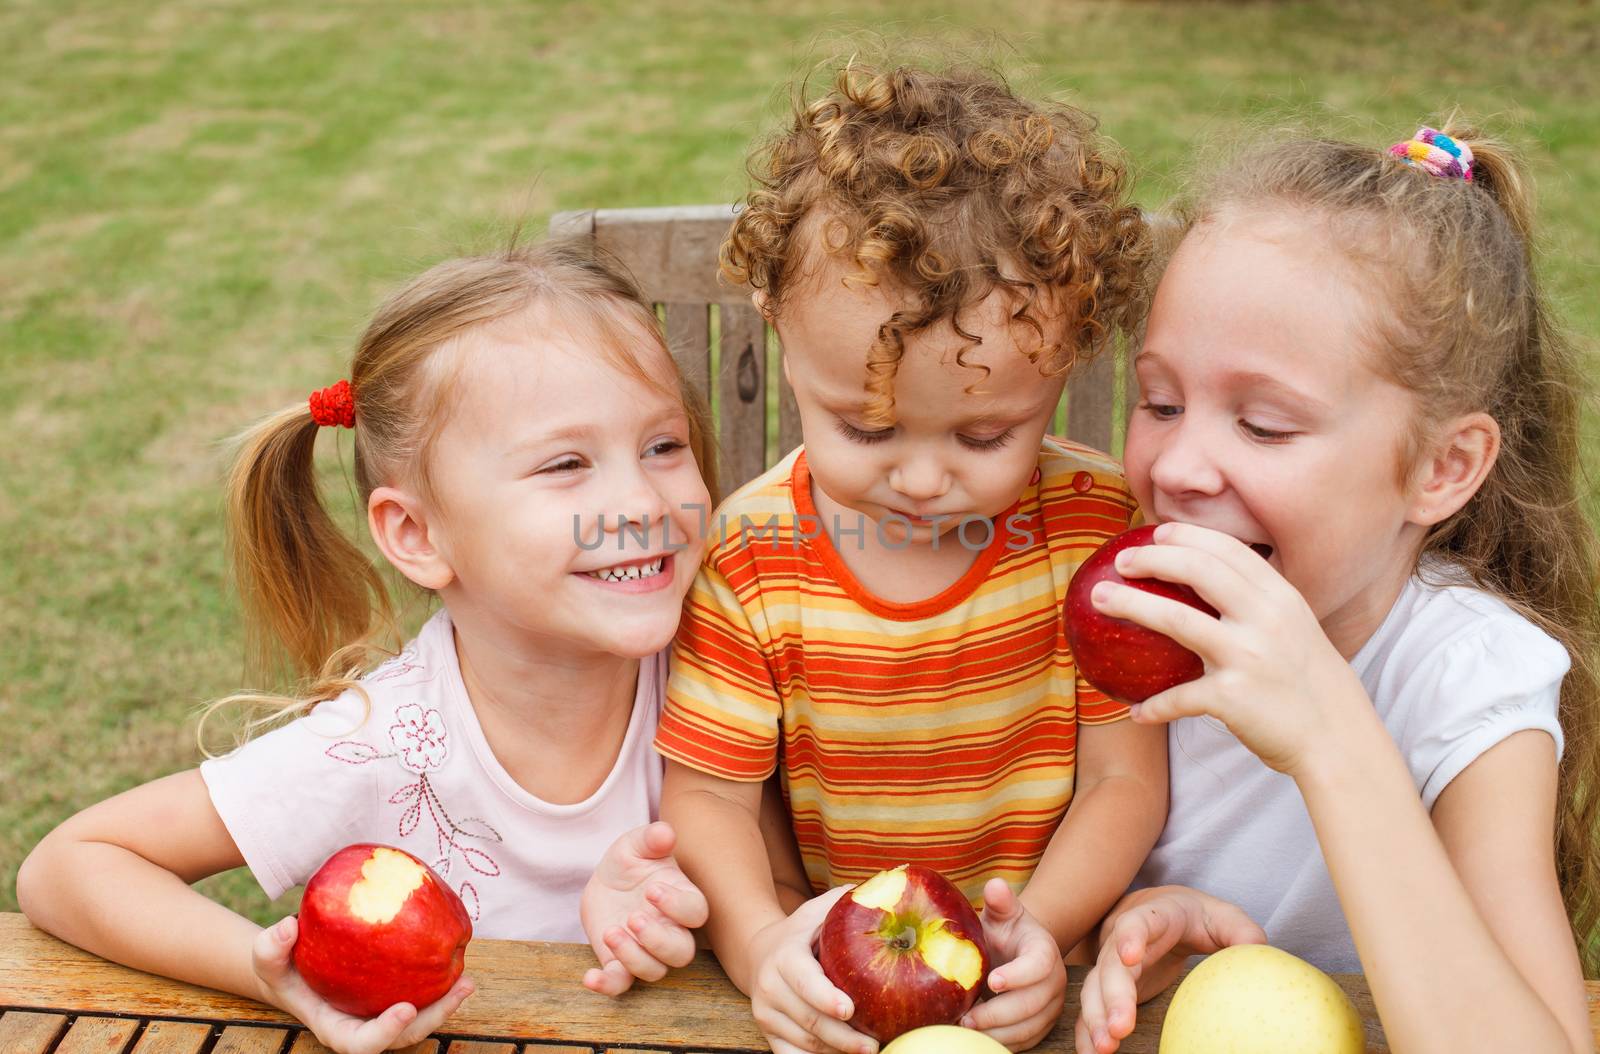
(1452, 672)
(417, 773)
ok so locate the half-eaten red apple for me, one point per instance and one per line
(908, 950)
(379, 927)
(1124, 659)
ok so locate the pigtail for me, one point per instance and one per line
(306, 589)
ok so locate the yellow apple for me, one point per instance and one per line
(1256, 999)
(944, 1039)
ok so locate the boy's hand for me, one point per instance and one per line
(797, 1007)
(1030, 984)
(1145, 941)
(638, 910)
(399, 1026)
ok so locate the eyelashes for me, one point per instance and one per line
(857, 435)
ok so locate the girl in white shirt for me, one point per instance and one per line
(1349, 370)
(527, 452)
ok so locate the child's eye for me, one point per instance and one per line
(1161, 411)
(1265, 434)
(560, 466)
(856, 435)
(992, 443)
(663, 447)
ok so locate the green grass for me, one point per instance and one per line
(201, 200)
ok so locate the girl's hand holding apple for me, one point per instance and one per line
(1030, 982)
(400, 1025)
(1271, 674)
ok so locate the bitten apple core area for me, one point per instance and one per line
(387, 879)
(883, 890)
(951, 957)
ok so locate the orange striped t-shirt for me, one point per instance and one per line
(942, 733)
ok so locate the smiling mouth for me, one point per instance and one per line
(629, 572)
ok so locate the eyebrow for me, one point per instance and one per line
(1253, 378)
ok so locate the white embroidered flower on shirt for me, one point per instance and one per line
(418, 737)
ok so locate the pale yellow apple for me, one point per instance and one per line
(943, 1039)
(1256, 999)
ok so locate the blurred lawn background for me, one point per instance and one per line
(202, 200)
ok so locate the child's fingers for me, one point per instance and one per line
(1021, 1002)
(429, 1018)
(1201, 633)
(1091, 1014)
(1036, 960)
(1000, 903)
(1244, 561)
(1219, 583)
(667, 941)
(819, 1007)
(1116, 994)
(611, 979)
(273, 950)
(639, 962)
(656, 840)
(680, 901)
(1190, 699)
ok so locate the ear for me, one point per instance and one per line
(401, 529)
(759, 298)
(1451, 473)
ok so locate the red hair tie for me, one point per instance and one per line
(334, 406)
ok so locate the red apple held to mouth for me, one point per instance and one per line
(908, 950)
(378, 927)
(1123, 659)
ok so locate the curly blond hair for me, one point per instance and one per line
(946, 186)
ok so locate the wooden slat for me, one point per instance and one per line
(26, 1033)
(306, 1043)
(98, 1035)
(742, 402)
(478, 1046)
(244, 1039)
(672, 252)
(788, 415)
(1090, 401)
(542, 1048)
(689, 337)
(173, 1037)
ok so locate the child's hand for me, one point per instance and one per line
(796, 1006)
(1030, 982)
(1272, 676)
(399, 1026)
(1145, 941)
(638, 910)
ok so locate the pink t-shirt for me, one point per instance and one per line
(417, 773)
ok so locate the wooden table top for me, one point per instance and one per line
(57, 999)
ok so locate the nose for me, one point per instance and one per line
(1186, 464)
(639, 504)
(920, 477)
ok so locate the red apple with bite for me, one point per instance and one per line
(908, 950)
(379, 927)
(1124, 659)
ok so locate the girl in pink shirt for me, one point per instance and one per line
(527, 452)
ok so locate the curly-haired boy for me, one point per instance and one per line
(879, 617)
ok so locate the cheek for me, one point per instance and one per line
(1138, 454)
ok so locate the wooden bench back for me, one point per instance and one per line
(729, 353)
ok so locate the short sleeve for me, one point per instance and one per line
(1476, 692)
(722, 709)
(292, 797)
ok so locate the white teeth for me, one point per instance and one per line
(629, 573)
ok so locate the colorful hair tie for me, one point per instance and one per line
(1436, 153)
(334, 406)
